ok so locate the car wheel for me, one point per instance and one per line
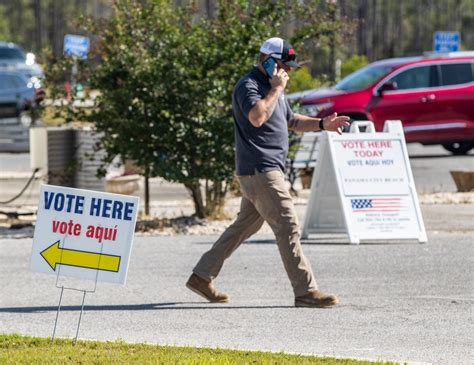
(459, 148)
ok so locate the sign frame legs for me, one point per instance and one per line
(84, 292)
(57, 314)
(80, 315)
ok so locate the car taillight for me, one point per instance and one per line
(39, 95)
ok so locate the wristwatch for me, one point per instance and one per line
(321, 124)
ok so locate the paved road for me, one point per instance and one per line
(399, 301)
(431, 166)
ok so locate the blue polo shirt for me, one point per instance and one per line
(265, 148)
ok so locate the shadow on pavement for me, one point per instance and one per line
(328, 241)
(136, 307)
(303, 241)
(437, 156)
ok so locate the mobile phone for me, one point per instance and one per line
(269, 66)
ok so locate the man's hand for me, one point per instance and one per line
(335, 123)
(279, 79)
(265, 107)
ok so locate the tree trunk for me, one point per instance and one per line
(210, 9)
(386, 35)
(56, 28)
(39, 26)
(456, 18)
(212, 204)
(332, 46)
(418, 25)
(399, 47)
(361, 34)
(216, 199)
(375, 44)
(18, 20)
(195, 190)
(369, 30)
(147, 194)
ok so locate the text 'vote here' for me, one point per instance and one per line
(98, 207)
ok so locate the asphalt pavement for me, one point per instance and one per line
(431, 166)
(401, 301)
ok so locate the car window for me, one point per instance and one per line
(11, 54)
(363, 78)
(416, 78)
(456, 73)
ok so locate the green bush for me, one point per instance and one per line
(352, 64)
(301, 79)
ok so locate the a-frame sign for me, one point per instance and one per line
(363, 186)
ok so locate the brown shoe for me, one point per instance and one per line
(316, 299)
(206, 290)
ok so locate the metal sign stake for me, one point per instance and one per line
(57, 314)
(84, 292)
(80, 317)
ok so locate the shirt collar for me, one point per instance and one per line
(260, 76)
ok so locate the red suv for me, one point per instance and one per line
(433, 96)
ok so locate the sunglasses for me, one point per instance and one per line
(288, 57)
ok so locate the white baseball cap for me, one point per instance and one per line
(280, 49)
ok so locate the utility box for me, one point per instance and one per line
(38, 148)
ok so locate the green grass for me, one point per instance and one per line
(15, 349)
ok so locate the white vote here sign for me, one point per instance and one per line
(84, 234)
(371, 166)
(363, 186)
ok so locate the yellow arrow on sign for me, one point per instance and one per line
(89, 260)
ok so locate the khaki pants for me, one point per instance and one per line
(265, 198)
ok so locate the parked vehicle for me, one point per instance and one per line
(13, 58)
(432, 95)
(17, 94)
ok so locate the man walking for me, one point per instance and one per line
(262, 118)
